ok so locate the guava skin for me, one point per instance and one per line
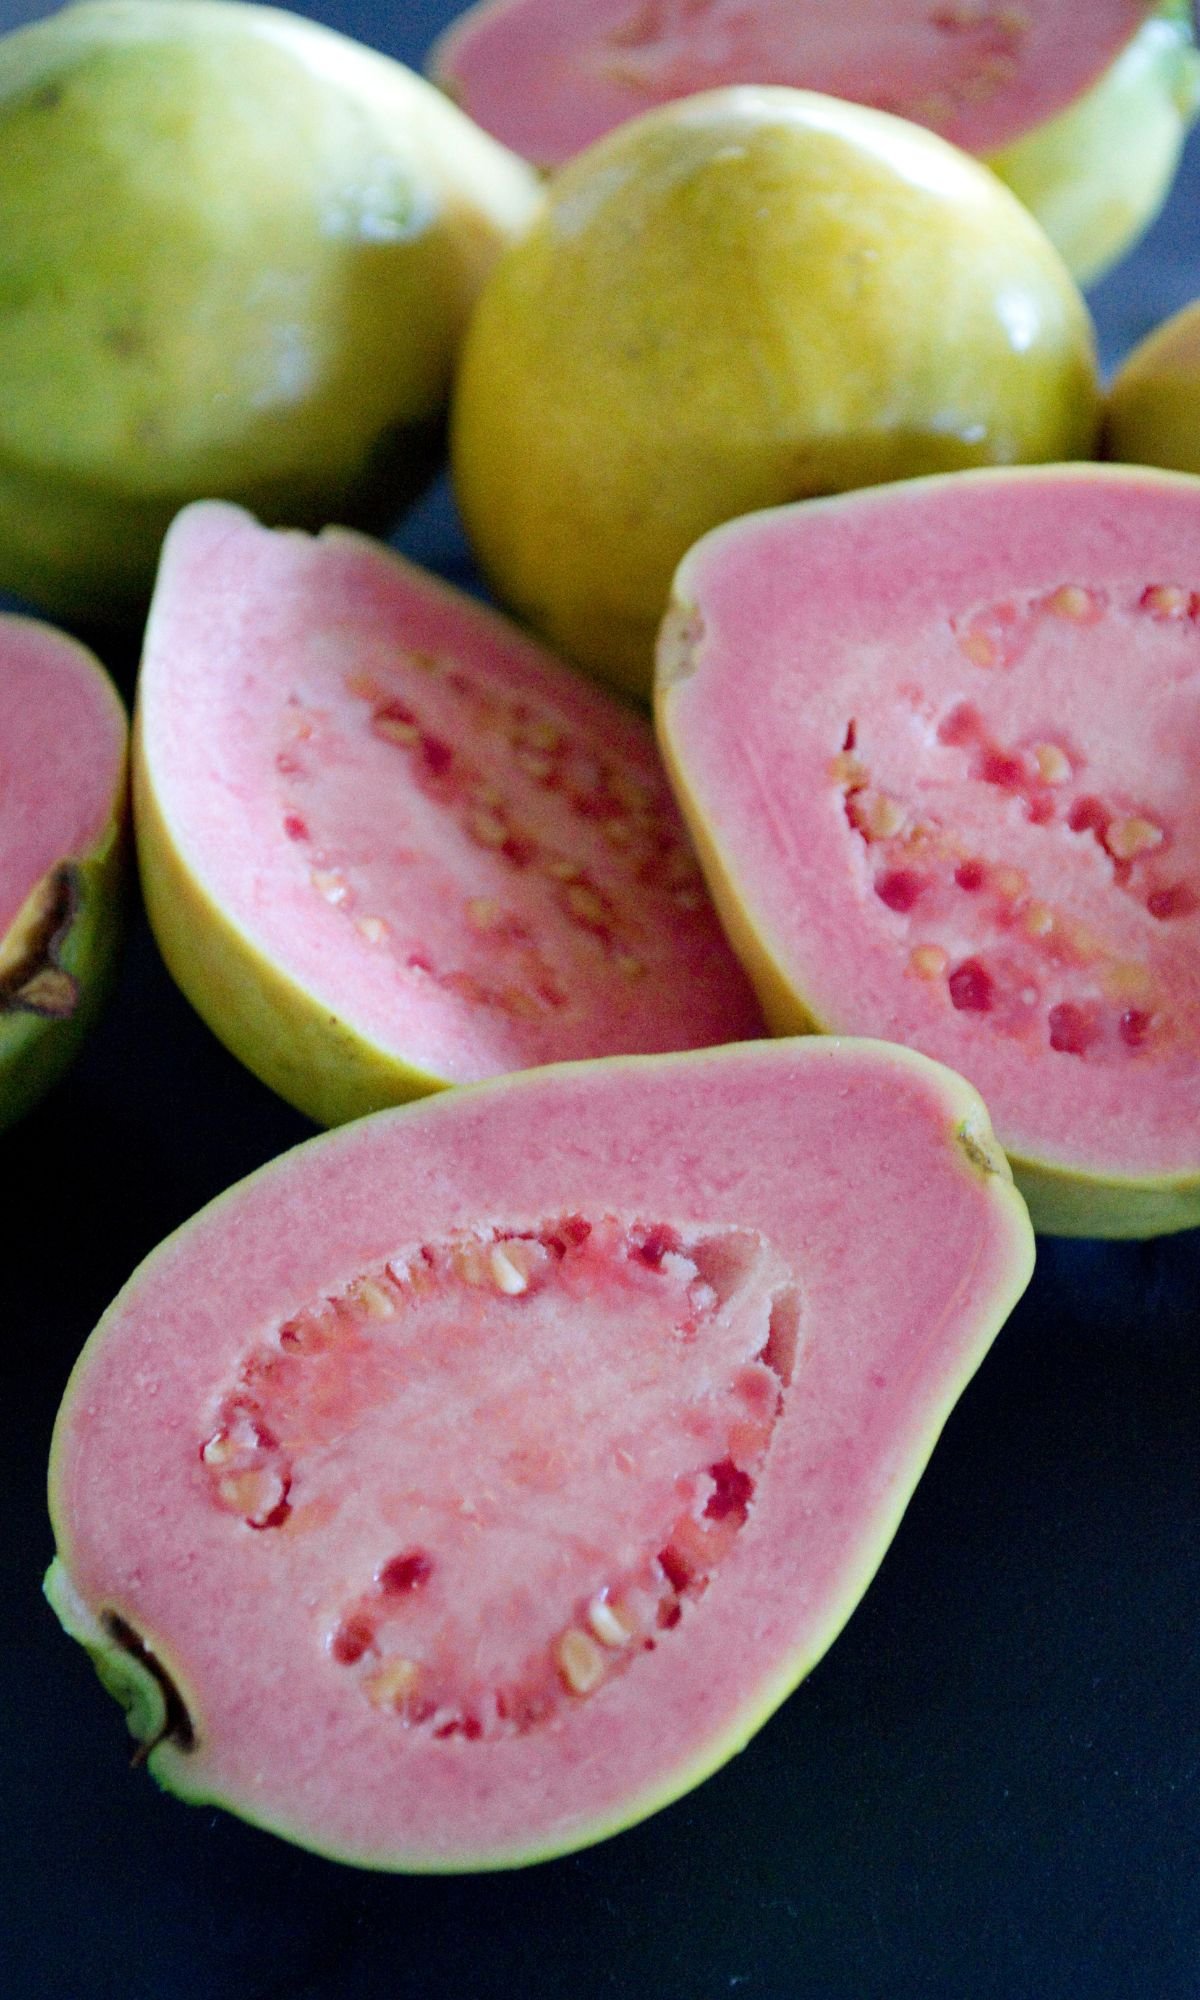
(891, 1330)
(1152, 416)
(58, 961)
(239, 251)
(753, 296)
(1098, 174)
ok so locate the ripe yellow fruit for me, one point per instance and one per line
(744, 298)
(1153, 414)
(236, 254)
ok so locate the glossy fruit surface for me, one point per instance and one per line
(958, 807)
(239, 250)
(62, 808)
(389, 844)
(1081, 109)
(746, 298)
(472, 1481)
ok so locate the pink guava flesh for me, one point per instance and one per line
(62, 756)
(460, 848)
(479, 1476)
(550, 76)
(959, 806)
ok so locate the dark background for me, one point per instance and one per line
(989, 1790)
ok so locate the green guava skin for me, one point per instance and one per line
(1098, 174)
(236, 254)
(747, 297)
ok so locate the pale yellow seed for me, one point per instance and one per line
(543, 736)
(248, 1492)
(1167, 600)
(1039, 920)
(534, 764)
(483, 913)
(1126, 981)
(877, 815)
(372, 1299)
(373, 929)
(561, 870)
(394, 731)
(928, 961)
(979, 649)
(392, 1683)
(1008, 882)
(1072, 601)
(585, 904)
(1054, 766)
(580, 1661)
(1126, 838)
(505, 1273)
(219, 1450)
(846, 769)
(617, 832)
(469, 1262)
(628, 966)
(328, 883)
(611, 1624)
(487, 828)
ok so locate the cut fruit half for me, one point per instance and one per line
(62, 807)
(474, 1480)
(1082, 109)
(388, 844)
(938, 747)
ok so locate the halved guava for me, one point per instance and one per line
(388, 844)
(239, 252)
(62, 810)
(938, 746)
(475, 1479)
(1082, 108)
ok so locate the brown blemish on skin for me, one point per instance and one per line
(986, 1159)
(177, 1725)
(33, 979)
(678, 643)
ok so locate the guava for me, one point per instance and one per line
(1082, 109)
(238, 253)
(741, 299)
(388, 844)
(472, 1481)
(938, 747)
(62, 813)
(1152, 414)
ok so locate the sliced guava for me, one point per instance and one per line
(938, 747)
(387, 843)
(62, 811)
(738, 300)
(239, 252)
(475, 1479)
(1082, 108)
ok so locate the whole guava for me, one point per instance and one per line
(236, 254)
(1152, 416)
(748, 297)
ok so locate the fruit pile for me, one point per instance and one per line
(487, 1419)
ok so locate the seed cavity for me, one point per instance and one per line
(715, 1321)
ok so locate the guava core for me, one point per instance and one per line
(741, 299)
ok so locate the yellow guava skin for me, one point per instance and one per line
(747, 297)
(1097, 175)
(1152, 416)
(237, 251)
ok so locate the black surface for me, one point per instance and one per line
(990, 1789)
